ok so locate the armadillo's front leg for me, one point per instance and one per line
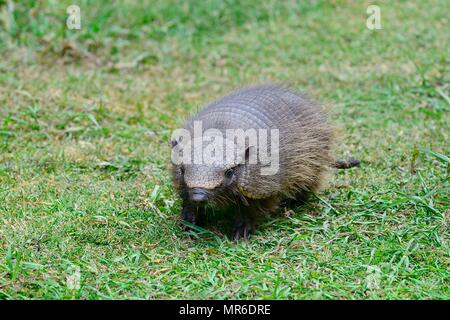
(188, 214)
(247, 214)
(243, 225)
(241, 229)
(192, 214)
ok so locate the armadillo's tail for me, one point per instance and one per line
(346, 164)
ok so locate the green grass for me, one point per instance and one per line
(85, 118)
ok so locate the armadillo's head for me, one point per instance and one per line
(207, 172)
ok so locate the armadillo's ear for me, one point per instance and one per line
(250, 155)
(247, 154)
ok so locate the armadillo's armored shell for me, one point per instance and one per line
(305, 137)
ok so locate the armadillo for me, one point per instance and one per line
(270, 120)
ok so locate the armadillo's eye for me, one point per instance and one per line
(229, 173)
(182, 170)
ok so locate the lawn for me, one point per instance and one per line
(86, 115)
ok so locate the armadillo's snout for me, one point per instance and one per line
(198, 194)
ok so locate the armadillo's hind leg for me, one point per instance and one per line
(300, 199)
